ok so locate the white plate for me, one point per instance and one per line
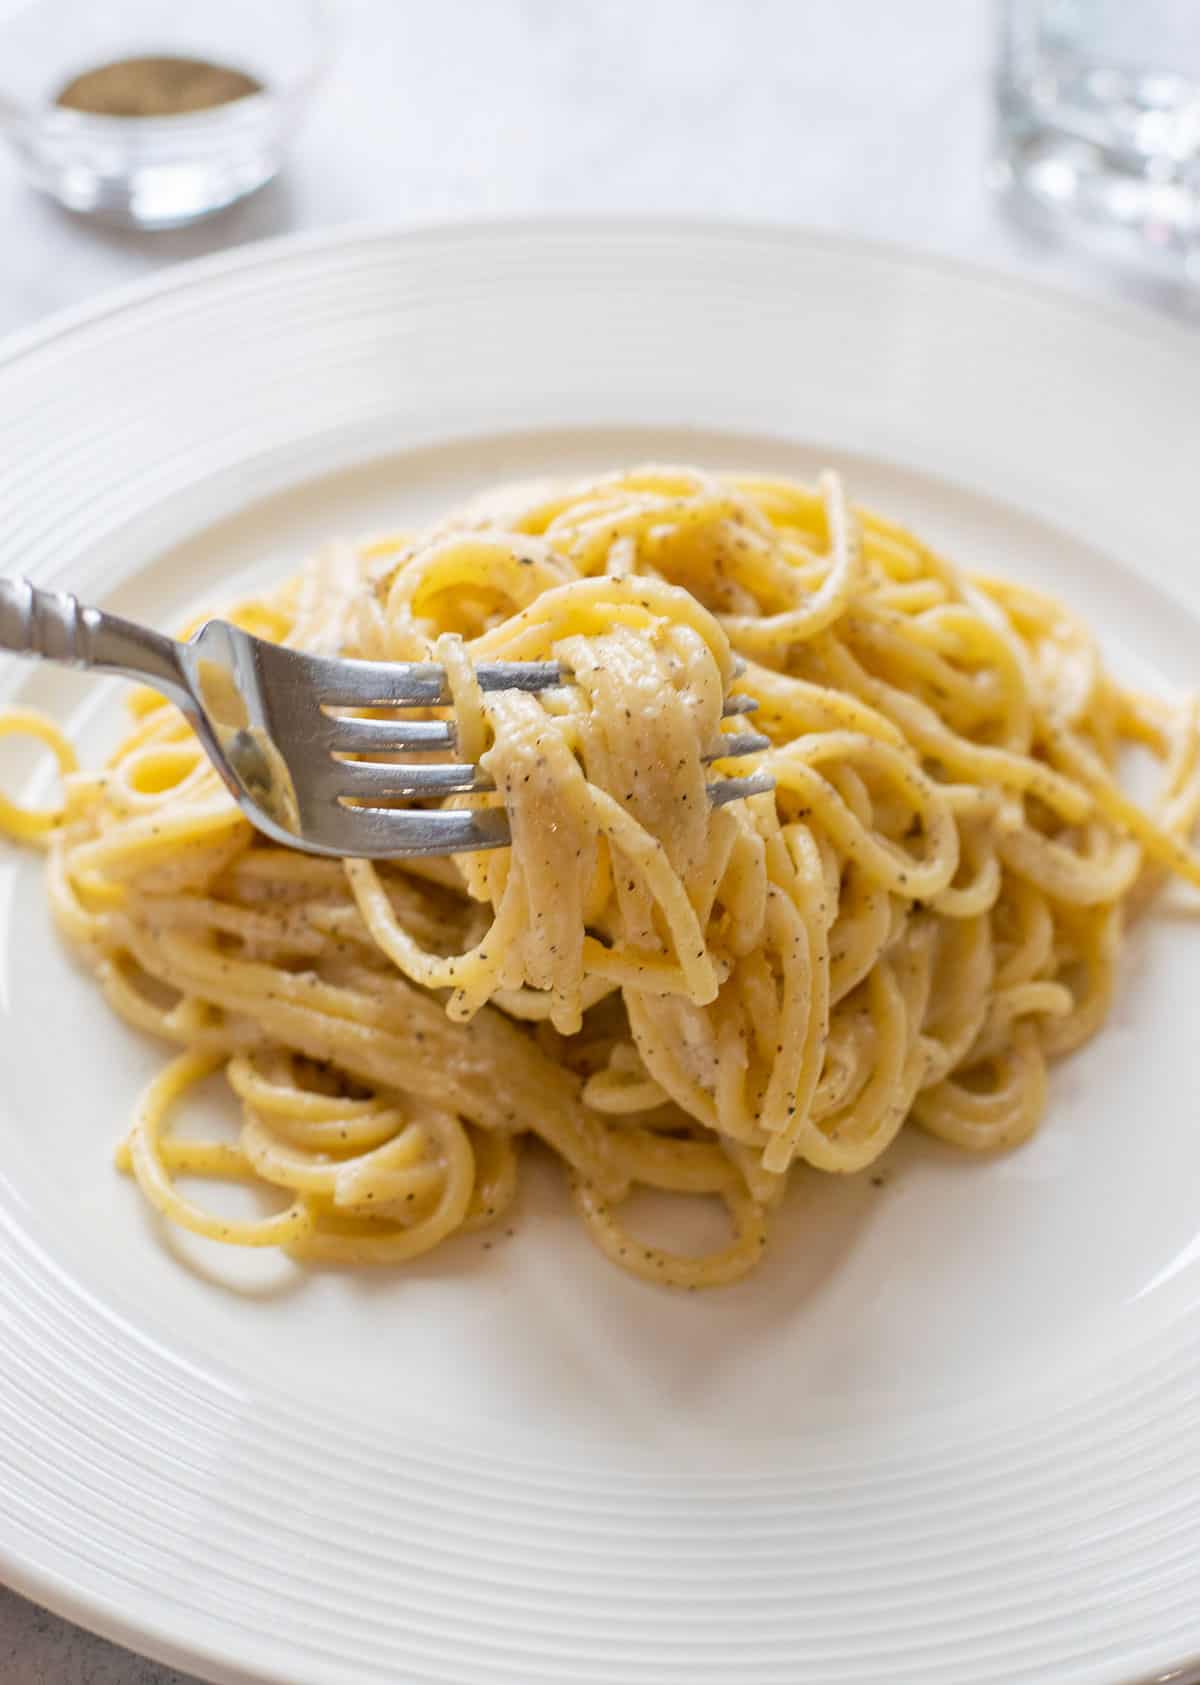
(950, 1431)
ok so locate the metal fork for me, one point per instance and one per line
(265, 717)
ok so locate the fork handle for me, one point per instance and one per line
(56, 626)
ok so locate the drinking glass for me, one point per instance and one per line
(1098, 107)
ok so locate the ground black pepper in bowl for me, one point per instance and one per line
(156, 87)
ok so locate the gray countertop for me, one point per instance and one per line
(845, 115)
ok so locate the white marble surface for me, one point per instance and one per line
(854, 115)
(851, 115)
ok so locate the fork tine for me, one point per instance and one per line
(519, 675)
(382, 737)
(412, 684)
(724, 790)
(372, 780)
(422, 684)
(733, 744)
(378, 684)
(394, 833)
(352, 736)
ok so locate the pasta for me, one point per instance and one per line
(666, 995)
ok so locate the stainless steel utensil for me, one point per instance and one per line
(267, 717)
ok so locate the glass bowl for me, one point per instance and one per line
(156, 171)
